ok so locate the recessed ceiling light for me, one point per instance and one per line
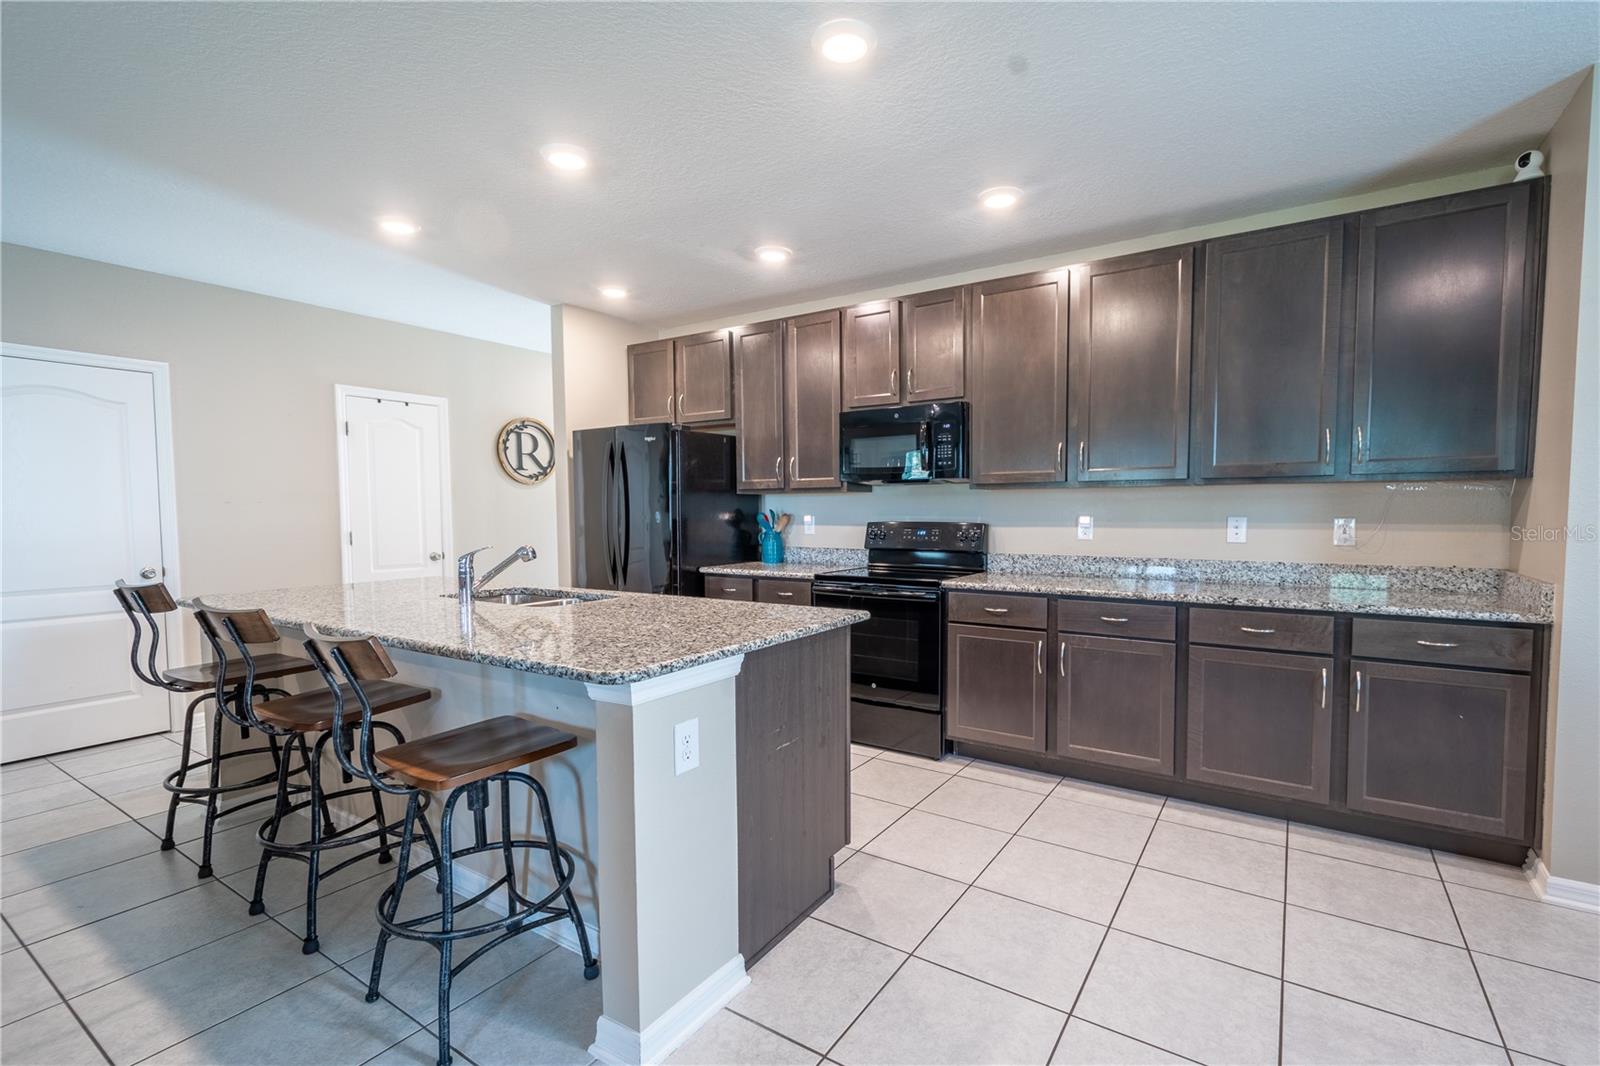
(613, 292)
(1000, 197)
(844, 40)
(565, 156)
(774, 254)
(395, 226)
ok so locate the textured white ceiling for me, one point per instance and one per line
(253, 144)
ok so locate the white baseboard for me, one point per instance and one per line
(1565, 892)
(619, 1045)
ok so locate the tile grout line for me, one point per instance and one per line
(59, 997)
(1391, 1013)
(1283, 947)
(1482, 988)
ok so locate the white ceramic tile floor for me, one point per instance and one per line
(1118, 928)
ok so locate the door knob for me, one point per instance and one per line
(435, 556)
(148, 573)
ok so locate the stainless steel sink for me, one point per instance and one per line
(523, 598)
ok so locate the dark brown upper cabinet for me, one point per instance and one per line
(933, 330)
(1268, 360)
(871, 352)
(758, 403)
(1018, 379)
(1445, 335)
(1441, 746)
(811, 400)
(1130, 367)
(996, 692)
(704, 377)
(652, 391)
(1114, 701)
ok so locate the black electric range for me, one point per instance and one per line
(897, 657)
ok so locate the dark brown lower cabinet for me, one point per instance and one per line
(996, 692)
(1114, 701)
(791, 590)
(1441, 746)
(1260, 721)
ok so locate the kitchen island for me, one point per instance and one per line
(685, 875)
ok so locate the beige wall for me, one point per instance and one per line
(591, 389)
(253, 416)
(1561, 494)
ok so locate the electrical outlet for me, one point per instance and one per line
(808, 523)
(1238, 526)
(1344, 532)
(686, 746)
(1086, 527)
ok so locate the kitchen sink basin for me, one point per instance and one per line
(522, 598)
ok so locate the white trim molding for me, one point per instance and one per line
(618, 1045)
(633, 693)
(1565, 892)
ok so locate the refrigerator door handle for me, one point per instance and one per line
(606, 519)
(627, 518)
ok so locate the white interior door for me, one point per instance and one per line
(396, 496)
(82, 508)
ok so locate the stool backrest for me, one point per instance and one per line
(362, 660)
(240, 629)
(142, 603)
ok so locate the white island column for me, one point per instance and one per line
(668, 870)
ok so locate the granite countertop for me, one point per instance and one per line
(760, 569)
(610, 638)
(1498, 604)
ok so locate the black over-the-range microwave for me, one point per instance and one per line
(894, 445)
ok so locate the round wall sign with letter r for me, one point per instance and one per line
(527, 450)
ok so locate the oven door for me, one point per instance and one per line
(896, 665)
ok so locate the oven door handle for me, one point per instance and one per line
(877, 592)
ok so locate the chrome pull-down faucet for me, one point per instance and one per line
(467, 585)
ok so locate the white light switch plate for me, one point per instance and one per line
(1237, 529)
(1344, 532)
(686, 746)
(808, 523)
(1086, 527)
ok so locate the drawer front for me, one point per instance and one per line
(1489, 647)
(981, 608)
(1277, 630)
(784, 590)
(721, 587)
(1117, 618)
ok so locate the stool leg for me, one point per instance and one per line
(591, 965)
(413, 806)
(167, 841)
(447, 917)
(319, 803)
(280, 806)
(215, 781)
(506, 850)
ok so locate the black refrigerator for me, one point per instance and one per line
(654, 503)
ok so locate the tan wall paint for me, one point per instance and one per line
(253, 414)
(591, 389)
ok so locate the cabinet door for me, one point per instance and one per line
(1019, 379)
(996, 689)
(1441, 746)
(1269, 353)
(652, 395)
(872, 355)
(1114, 701)
(758, 406)
(1259, 721)
(811, 400)
(933, 330)
(705, 377)
(1130, 367)
(1443, 357)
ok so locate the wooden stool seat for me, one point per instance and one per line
(268, 666)
(312, 712)
(472, 752)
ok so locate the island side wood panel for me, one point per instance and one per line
(794, 782)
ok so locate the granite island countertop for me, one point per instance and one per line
(1500, 604)
(610, 638)
(760, 569)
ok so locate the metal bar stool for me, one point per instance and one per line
(328, 715)
(142, 603)
(464, 762)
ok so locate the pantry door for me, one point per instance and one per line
(87, 500)
(394, 474)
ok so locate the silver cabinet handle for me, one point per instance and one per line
(729, 588)
(1038, 657)
(1361, 446)
(997, 610)
(785, 595)
(680, 405)
(1438, 644)
(792, 474)
(670, 417)
(1083, 455)
(435, 556)
(1358, 691)
(148, 573)
(1112, 620)
(1061, 658)
(1327, 444)
(1061, 451)
(777, 467)
(894, 382)
(1253, 629)
(911, 381)
(1324, 686)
